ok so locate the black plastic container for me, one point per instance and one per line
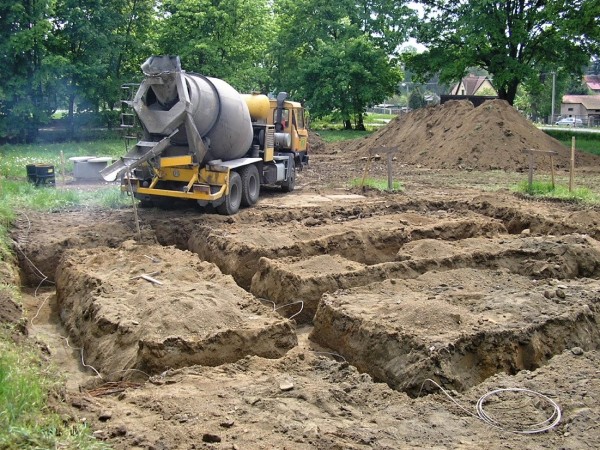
(41, 174)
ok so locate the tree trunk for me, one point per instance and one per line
(508, 92)
(347, 124)
(361, 123)
(71, 117)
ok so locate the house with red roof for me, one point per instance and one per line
(584, 107)
(592, 82)
(474, 85)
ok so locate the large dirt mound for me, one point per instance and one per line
(458, 135)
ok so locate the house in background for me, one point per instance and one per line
(474, 85)
(584, 107)
(592, 82)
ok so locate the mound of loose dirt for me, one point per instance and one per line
(196, 315)
(317, 144)
(458, 135)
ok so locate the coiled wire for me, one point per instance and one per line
(539, 427)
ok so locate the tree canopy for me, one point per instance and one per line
(513, 40)
(226, 39)
(27, 93)
(342, 58)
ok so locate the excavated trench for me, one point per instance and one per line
(453, 291)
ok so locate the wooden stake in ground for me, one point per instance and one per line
(389, 167)
(572, 171)
(366, 172)
(62, 166)
(530, 155)
(530, 175)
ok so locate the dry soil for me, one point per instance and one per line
(331, 317)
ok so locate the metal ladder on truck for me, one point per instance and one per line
(142, 151)
(129, 121)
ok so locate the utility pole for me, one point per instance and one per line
(553, 95)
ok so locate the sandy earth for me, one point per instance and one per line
(445, 281)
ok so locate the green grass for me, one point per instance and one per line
(377, 184)
(544, 189)
(371, 118)
(26, 422)
(17, 192)
(14, 158)
(26, 419)
(342, 135)
(21, 194)
(584, 145)
(584, 141)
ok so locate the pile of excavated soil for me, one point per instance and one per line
(458, 135)
(10, 310)
(196, 315)
(316, 142)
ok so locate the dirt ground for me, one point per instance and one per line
(328, 317)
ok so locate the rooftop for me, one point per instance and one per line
(589, 101)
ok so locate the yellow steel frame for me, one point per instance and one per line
(173, 161)
(191, 176)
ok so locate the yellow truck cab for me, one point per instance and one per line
(292, 122)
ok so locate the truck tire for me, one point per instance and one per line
(232, 202)
(289, 184)
(250, 185)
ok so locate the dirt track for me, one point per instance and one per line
(474, 290)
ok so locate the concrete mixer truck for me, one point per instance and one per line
(204, 141)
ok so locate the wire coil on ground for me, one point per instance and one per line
(539, 427)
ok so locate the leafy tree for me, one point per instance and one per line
(576, 86)
(535, 96)
(345, 76)
(28, 94)
(338, 61)
(98, 40)
(227, 39)
(416, 100)
(510, 39)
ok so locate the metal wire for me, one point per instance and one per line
(290, 304)
(539, 427)
(545, 425)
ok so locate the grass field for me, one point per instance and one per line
(583, 144)
(27, 383)
(342, 135)
(545, 189)
(377, 184)
(14, 158)
(26, 422)
(584, 141)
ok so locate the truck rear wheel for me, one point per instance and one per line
(250, 185)
(289, 184)
(232, 202)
